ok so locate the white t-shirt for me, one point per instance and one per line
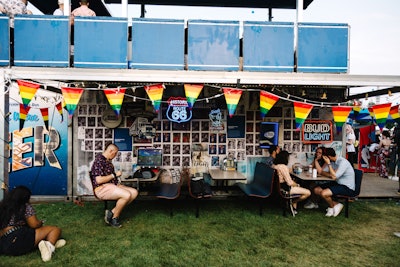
(58, 12)
(350, 147)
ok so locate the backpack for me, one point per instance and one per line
(199, 187)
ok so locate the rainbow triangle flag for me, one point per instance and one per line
(192, 92)
(394, 112)
(115, 98)
(71, 97)
(232, 97)
(27, 90)
(381, 112)
(301, 111)
(340, 114)
(60, 109)
(267, 101)
(155, 93)
(23, 113)
(45, 115)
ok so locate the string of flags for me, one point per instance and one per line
(115, 96)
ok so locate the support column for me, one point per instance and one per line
(299, 18)
(124, 8)
(4, 149)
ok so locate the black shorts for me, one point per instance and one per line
(338, 189)
(19, 242)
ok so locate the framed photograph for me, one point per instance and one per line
(195, 125)
(204, 137)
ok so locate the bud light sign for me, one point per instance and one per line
(316, 131)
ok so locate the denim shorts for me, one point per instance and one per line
(19, 242)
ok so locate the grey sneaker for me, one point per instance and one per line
(114, 223)
(311, 205)
(108, 216)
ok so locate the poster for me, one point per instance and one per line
(39, 144)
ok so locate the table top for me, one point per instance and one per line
(217, 174)
(306, 176)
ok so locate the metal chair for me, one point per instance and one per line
(261, 186)
(286, 197)
(169, 192)
(358, 179)
(197, 198)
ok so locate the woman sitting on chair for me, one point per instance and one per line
(280, 164)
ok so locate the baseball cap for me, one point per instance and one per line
(60, 1)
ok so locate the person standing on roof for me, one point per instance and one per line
(82, 11)
(60, 10)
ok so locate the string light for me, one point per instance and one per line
(286, 96)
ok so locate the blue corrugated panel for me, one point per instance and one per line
(213, 45)
(158, 44)
(4, 41)
(41, 41)
(101, 42)
(323, 47)
(268, 46)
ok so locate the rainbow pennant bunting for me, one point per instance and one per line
(267, 100)
(192, 92)
(340, 115)
(45, 115)
(23, 113)
(381, 112)
(301, 111)
(232, 97)
(27, 90)
(71, 97)
(356, 111)
(115, 98)
(394, 112)
(155, 93)
(59, 107)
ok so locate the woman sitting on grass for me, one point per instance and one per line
(21, 231)
(280, 164)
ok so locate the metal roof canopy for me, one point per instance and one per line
(207, 77)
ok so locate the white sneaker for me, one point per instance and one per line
(329, 212)
(45, 251)
(311, 205)
(397, 234)
(337, 209)
(60, 243)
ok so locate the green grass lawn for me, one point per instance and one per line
(227, 233)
